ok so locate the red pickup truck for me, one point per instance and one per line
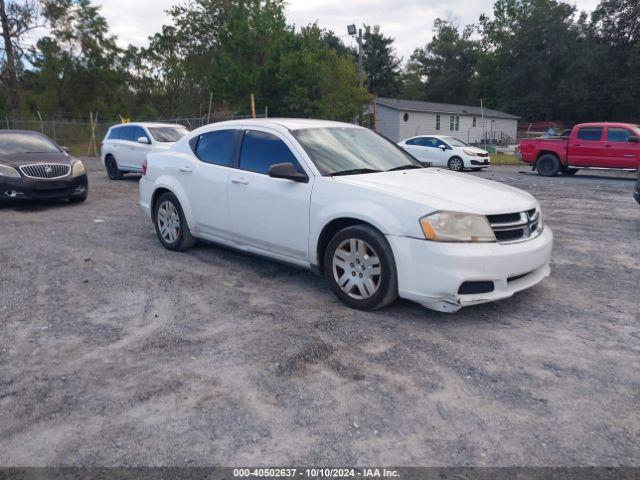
(590, 145)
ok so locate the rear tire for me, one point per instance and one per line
(360, 268)
(112, 168)
(171, 224)
(548, 165)
(455, 164)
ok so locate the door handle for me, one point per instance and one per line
(185, 169)
(240, 181)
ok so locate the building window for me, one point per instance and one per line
(474, 122)
(457, 123)
(454, 122)
(437, 122)
(451, 122)
(405, 117)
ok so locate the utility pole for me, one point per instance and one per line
(360, 69)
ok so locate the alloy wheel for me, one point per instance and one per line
(357, 269)
(455, 164)
(169, 222)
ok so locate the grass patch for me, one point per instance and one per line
(502, 159)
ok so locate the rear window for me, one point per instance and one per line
(590, 134)
(15, 143)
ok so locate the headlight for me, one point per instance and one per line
(456, 227)
(78, 168)
(471, 153)
(7, 171)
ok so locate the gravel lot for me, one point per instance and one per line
(115, 351)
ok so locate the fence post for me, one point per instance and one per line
(53, 125)
(41, 122)
(8, 126)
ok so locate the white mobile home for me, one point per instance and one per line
(400, 119)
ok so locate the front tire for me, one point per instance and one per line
(171, 224)
(455, 164)
(360, 268)
(548, 165)
(112, 168)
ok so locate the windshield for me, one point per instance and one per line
(167, 134)
(339, 149)
(454, 142)
(14, 143)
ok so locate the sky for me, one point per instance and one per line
(409, 22)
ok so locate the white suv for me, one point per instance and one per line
(342, 200)
(449, 152)
(125, 146)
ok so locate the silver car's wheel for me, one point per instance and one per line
(456, 164)
(168, 221)
(357, 269)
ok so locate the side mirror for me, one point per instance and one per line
(143, 140)
(442, 147)
(288, 171)
(64, 149)
(633, 139)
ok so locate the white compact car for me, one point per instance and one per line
(447, 152)
(125, 146)
(342, 201)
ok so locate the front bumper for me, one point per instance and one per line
(41, 189)
(431, 273)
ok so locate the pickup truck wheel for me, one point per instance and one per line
(360, 268)
(171, 224)
(455, 164)
(569, 171)
(548, 165)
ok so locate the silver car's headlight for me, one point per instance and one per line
(7, 171)
(456, 227)
(78, 168)
(471, 153)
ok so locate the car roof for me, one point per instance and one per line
(286, 123)
(607, 124)
(147, 124)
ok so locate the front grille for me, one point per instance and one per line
(483, 155)
(45, 170)
(515, 227)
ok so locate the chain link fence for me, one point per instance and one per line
(76, 134)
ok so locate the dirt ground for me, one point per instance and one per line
(115, 351)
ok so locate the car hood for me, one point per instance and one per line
(475, 149)
(445, 190)
(19, 159)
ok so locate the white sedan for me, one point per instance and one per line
(440, 151)
(344, 202)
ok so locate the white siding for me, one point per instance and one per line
(421, 123)
(390, 123)
(387, 122)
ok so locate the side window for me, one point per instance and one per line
(126, 133)
(114, 134)
(440, 143)
(430, 142)
(618, 134)
(217, 147)
(590, 134)
(412, 141)
(139, 132)
(260, 150)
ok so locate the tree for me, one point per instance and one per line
(444, 69)
(380, 63)
(16, 19)
(531, 59)
(78, 67)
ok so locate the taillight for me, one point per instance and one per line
(144, 167)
